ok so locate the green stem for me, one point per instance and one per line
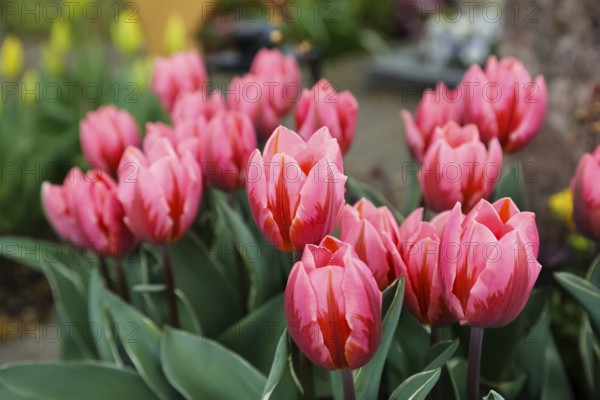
(348, 383)
(435, 336)
(123, 289)
(170, 284)
(104, 272)
(308, 380)
(474, 363)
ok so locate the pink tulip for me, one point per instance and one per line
(436, 108)
(186, 136)
(160, 191)
(85, 210)
(373, 233)
(296, 188)
(459, 168)
(197, 104)
(586, 195)
(322, 106)
(277, 68)
(105, 134)
(229, 141)
(176, 75)
(488, 263)
(419, 249)
(333, 306)
(504, 102)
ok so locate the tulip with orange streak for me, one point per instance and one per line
(419, 248)
(105, 134)
(488, 263)
(229, 141)
(459, 168)
(436, 108)
(333, 306)
(323, 106)
(160, 191)
(504, 102)
(85, 210)
(373, 233)
(176, 75)
(296, 188)
(586, 195)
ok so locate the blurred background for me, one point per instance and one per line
(61, 59)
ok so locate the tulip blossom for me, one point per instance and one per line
(373, 233)
(504, 102)
(186, 136)
(105, 134)
(333, 306)
(586, 195)
(419, 248)
(160, 191)
(229, 141)
(488, 263)
(436, 108)
(191, 106)
(278, 68)
(296, 188)
(322, 106)
(459, 168)
(85, 210)
(176, 75)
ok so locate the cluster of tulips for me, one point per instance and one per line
(473, 263)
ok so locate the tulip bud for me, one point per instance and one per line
(459, 168)
(333, 306)
(126, 33)
(488, 263)
(505, 103)
(373, 234)
(586, 195)
(105, 134)
(85, 210)
(197, 104)
(322, 106)
(227, 147)
(296, 188)
(277, 67)
(175, 38)
(11, 57)
(419, 249)
(186, 136)
(160, 191)
(178, 74)
(436, 108)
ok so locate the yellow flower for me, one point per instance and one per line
(141, 72)
(53, 60)
(30, 87)
(11, 57)
(175, 34)
(60, 36)
(561, 205)
(127, 35)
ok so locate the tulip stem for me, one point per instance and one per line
(348, 383)
(435, 336)
(170, 284)
(123, 290)
(308, 382)
(104, 272)
(474, 363)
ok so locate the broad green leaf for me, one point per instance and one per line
(74, 380)
(367, 379)
(417, 387)
(512, 184)
(493, 395)
(440, 353)
(202, 369)
(589, 349)
(106, 344)
(585, 293)
(413, 192)
(357, 189)
(6, 393)
(457, 369)
(556, 383)
(280, 363)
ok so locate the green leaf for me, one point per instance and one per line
(106, 344)
(368, 378)
(586, 294)
(440, 353)
(413, 192)
(556, 383)
(202, 369)
(589, 350)
(74, 380)
(512, 184)
(457, 369)
(417, 387)
(492, 395)
(280, 363)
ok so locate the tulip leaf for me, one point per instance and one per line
(6, 393)
(357, 190)
(368, 377)
(586, 294)
(457, 369)
(141, 340)
(512, 184)
(417, 387)
(493, 395)
(589, 349)
(556, 383)
(201, 368)
(412, 192)
(440, 353)
(89, 380)
(280, 363)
